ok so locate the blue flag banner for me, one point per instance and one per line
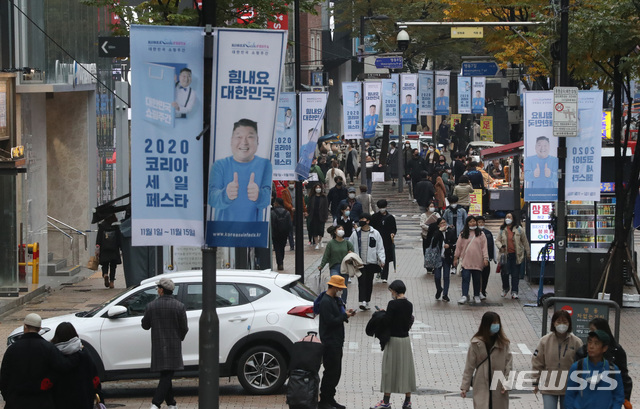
(285, 146)
(408, 96)
(391, 100)
(464, 95)
(442, 93)
(478, 101)
(352, 109)
(372, 98)
(312, 109)
(425, 94)
(166, 115)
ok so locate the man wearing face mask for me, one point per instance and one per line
(336, 195)
(385, 224)
(455, 215)
(356, 207)
(414, 169)
(368, 244)
(392, 162)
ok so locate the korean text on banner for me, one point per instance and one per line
(246, 85)
(425, 91)
(372, 98)
(540, 147)
(408, 91)
(442, 93)
(475, 203)
(464, 95)
(479, 85)
(166, 115)
(284, 157)
(486, 128)
(312, 107)
(584, 152)
(352, 109)
(391, 100)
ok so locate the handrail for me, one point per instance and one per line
(60, 230)
(76, 231)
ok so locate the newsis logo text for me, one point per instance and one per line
(554, 380)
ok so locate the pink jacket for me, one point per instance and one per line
(474, 257)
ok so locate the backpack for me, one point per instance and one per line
(282, 222)
(316, 303)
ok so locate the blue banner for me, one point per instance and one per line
(284, 157)
(479, 85)
(246, 87)
(391, 100)
(312, 108)
(408, 93)
(352, 109)
(166, 115)
(425, 88)
(442, 93)
(373, 98)
(464, 95)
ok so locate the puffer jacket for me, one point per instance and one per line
(554, 353)
(376, 254)
(521, 242)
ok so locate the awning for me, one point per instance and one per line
(503, 151)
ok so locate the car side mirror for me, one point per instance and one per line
(116, 311)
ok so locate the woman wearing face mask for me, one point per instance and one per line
(472, 253)
(398, 369)
(463, 190)
(345, 220)
(443, 238)
(488, 353)
(334, 252)
(555, 353)
(512, 241)
(427, 219)
(441, 190)
(318, 210)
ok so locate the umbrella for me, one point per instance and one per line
(107, 209)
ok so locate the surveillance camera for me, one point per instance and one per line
(403, 40)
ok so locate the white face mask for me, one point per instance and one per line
(318, 190)
(454, 205)
(340, 233)
(382, 209)
(481, 227)
(347, 213)
(352, 195)
(472, 227)
(339, 294)
(443, 228)
(508, 221)
(432, 209)
(562, 328)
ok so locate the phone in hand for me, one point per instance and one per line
(377, 308)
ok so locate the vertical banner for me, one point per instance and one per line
(477, 106)
(475, 203)
(352, 109)
(166, 115)
(425, 88)
(540, 147)
(391, 100)
(373, 99)
(246, 86)
(284, 158)
(442, 93)
(408, 91)
(486, 128)
(584, 152)
(464, 95)
(312, 108)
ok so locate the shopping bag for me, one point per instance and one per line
(93, 263)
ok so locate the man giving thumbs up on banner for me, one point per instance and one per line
(541, 170)
(240, 184)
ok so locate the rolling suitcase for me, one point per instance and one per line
(304, 381)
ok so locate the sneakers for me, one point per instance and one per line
(317, 247)
(483, 297)
(514, 296)
(477, 300)
(384, 281)
(463, 300)
(504, 293)
(154, 406)
(363, 305)
(445, 298)
(406, 405)
(438, 294)
(381, 405)
(172, 407)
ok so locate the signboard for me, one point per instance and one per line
(479, 85)
(565, 111)
(475, 207)
(581, 314)
(540, 211)
(541, 232)
(537, 247)
(464, 95)
(606, 125)
(408, 92)
(390, 63)
(283, 158)
(425, 92)
(111, 47)
(391, 100)
(467, 32)
(480, 69)
(312, 109)
(372, 98)
(442, 93)
(486, 128)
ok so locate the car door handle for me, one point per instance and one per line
(234, 319)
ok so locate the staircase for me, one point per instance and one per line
(59, 267)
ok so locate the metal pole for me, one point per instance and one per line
(560, 282)
(299, 261)
(363, 151)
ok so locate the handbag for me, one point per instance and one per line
(432, 258)
(98, 404)
(93, 263)
(502, 261)
(459, 266)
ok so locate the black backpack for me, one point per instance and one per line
(282, 223)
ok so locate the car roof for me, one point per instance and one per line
(281, 279)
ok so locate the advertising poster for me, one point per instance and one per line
(455, 120)
(166, 115)
(540, 230)
(540, 148)
(464, 95)
(475, 206)
(486, 128)
(284, 157)
(583, 167)
(246, 87)
(312, 107)
(373, 99)
(479, 85)
(391, 100)
(442, 93)
(352, 109)
(408, 93)
(425, 88)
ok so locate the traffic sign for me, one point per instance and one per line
(479, 69)
(391, 63)
(113, 47)
(565, 111)
(467, 32)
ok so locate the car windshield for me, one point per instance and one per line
(94, 311)
(301, 290)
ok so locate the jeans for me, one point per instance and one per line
(332, 362)
(292, 239)
(365, 281)
(468, 275)
(551, 401)
(442, 274)
(110, 269)
(511, 270)
(335, 271)
(164, 391)
(486, 272)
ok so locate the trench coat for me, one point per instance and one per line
(167, 319)
(500, 360)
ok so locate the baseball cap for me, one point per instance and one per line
(166, 283)
(33, 320)
(601, 335)
(351, 189)
(336, 281)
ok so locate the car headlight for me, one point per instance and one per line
(13, 338)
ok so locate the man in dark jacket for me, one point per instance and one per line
(336, 194)
(458, 167)
(281, 226)
(486, 272)
(385, 223)
(424, 192)
(167, 319)
(331, 326)
(475, 176)
(415, 167)
(27, 366)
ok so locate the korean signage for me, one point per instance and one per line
(284, 158)
(408, 94)
(581, 314)
(475, 207)
(391, 100)
(464, 95)
(565, 111)
(479, 85)
(442, 93)
(540, 231)
(312, 108)
(246, 87)
(166, 115)
(352, 109)
(486, 128)
(373, 99)
(540, 211)
(425, 89)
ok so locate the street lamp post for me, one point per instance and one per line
(403, 40)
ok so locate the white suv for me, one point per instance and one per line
(261, 315)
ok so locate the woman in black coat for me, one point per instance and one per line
(75, 389)
(110, 241)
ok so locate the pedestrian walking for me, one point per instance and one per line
(281, 226)
(366, 201)
(385, 224)
(109, 241)
(27, 367)
(354, 205)
(512, 242)
(471, 253)
(345, 220)
(315, 168)
(455, 215)
(424, 191)
(166, 317)
(414, 169)
(392, 163)
(489, 352)
(289, 199)
(368, 244)
(442, 164)
(458, 167)
(337, 248)
(486, 271)
(318, 212)
(77, 388)
(353, 163)
(336, 194)
(332, 318)
(441, 189)
(427, 219)
(554, 355)
(333, 173)
(398, 368)
(442, 242)
(463, 191)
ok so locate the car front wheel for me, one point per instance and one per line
(262, 370)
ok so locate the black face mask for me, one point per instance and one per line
(339, 184)
(362, 223)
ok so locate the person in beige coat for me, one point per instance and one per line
(463, 189)
(512, 242)
(480, 365)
